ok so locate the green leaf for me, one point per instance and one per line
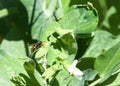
(10, 66)
(90, 74)
(107, 63)
(39, 27)
(69, 46)
(52, 55)
(86, 63)
(116, 82)
(75, 82)
(65, 5)
(4, 80)
(40, 15)
(63, 48)
(48, 74)
(63, 78)
(46, 33)
(101, 42)
(32, 8)
(14, 45)
(80, 18)
(35, 76)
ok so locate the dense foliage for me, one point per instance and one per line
(78, 42)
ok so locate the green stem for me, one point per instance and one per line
(59, 3)
(95, 82)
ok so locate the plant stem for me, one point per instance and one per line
(95, 82)
(59, 3)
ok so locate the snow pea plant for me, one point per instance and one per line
(70, 50)
(57, 53)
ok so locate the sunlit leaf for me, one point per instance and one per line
(63, 78)
(107, 63)
(10, 66)
(39, 15)
(35, 76)
(100, 43)
(115, 82)
(80, 19)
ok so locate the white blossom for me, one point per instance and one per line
(75, 71)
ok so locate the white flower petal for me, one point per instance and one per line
(75, 71)
(72, 67)
(78, 73)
